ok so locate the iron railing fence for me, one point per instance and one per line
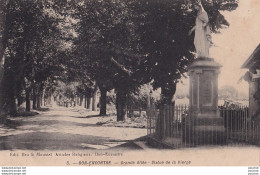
(173, 126)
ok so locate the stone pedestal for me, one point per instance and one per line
(204, 121)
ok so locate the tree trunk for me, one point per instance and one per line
(1, 91)
(10, 101)
(48, 100)
(20, 100)
(8, 93)
(103, 102)
(38, 102)
(27, 100)
(42, 98)
(167, 93)
(94, 100)
(41, 101)
(121, 98)
(88, 102)
(85, 101)
(34, 99)
(80, 100)
(3, 4)
(1, 96)
(77, 100)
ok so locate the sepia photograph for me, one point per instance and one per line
(129, 83)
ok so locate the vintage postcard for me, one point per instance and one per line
(129, 83)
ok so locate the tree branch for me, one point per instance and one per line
(128, 72)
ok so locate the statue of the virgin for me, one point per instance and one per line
(202, 40)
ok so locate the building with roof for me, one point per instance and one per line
(253, 79)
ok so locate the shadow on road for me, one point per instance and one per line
(89, 116)
(63, 129)
(49, 141)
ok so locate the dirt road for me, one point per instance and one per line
(64, 129)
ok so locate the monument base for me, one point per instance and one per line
(204, 125)
(204, 129)
(209, 129)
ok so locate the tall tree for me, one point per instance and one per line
(33, 50)
(3, 6)
(156, 30)
(106, 42)
(163, 28)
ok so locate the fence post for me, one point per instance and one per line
(158, 124)
(148, 116)
(167, 121)
(170, 122)
(164, 120)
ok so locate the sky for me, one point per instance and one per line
(236, 43)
